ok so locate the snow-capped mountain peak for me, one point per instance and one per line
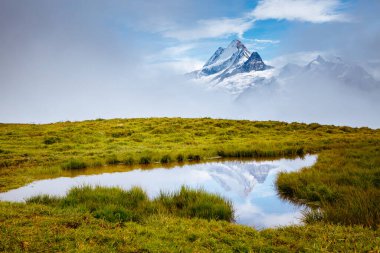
(237, 70)
(226, 58)
(236, 44)
(227, 64)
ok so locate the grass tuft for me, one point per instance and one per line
(196, 203)
(118, 205)
(51, 140)
(74, 164)
(166, 159)
(112, 160)
(129, 161)
(145, 160)
(180, 158)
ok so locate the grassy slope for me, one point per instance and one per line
(40, 228)
(344, 182)
(29, 152)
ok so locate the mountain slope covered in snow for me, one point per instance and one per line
(233, 68)
(237, 70)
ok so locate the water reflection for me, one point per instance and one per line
(248, 184)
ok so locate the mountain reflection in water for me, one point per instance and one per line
(248, 184)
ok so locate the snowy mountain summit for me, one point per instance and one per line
(233, 68)
(238, 71)
(235, 55)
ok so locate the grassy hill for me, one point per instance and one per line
(343, 187)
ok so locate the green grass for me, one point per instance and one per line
(195, 203)
(342, 188)
(114, 204)
(343, 184)
(74, 164)
(112, 159)
(45, 228)
(30, 152)
(166, 159)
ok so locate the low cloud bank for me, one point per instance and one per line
(308, 98)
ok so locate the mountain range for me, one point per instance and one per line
(236, 70)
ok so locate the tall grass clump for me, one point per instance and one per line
(99, 196)
(129, 161)
(112, 160)
(74, 164)
(180, 158)
(192, 157)
(111, 204)
(311, 216)
(96, 163)
(51, 140)
(145, 160)
(196, 203)
(166, 159)
(118, 205)
(362, 207)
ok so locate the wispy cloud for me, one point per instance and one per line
(178, 66)
(261, 41)
(314, 11)
(176, 51)
(212, 28)
(175, 58)
(259, 44)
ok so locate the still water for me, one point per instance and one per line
(248, 184)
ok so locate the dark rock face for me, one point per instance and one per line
(254, 63)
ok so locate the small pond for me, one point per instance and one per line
(248, 184)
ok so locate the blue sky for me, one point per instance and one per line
(184, 32)
(262, 25)
(77, 59)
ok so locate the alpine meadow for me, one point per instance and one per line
(189, 126)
